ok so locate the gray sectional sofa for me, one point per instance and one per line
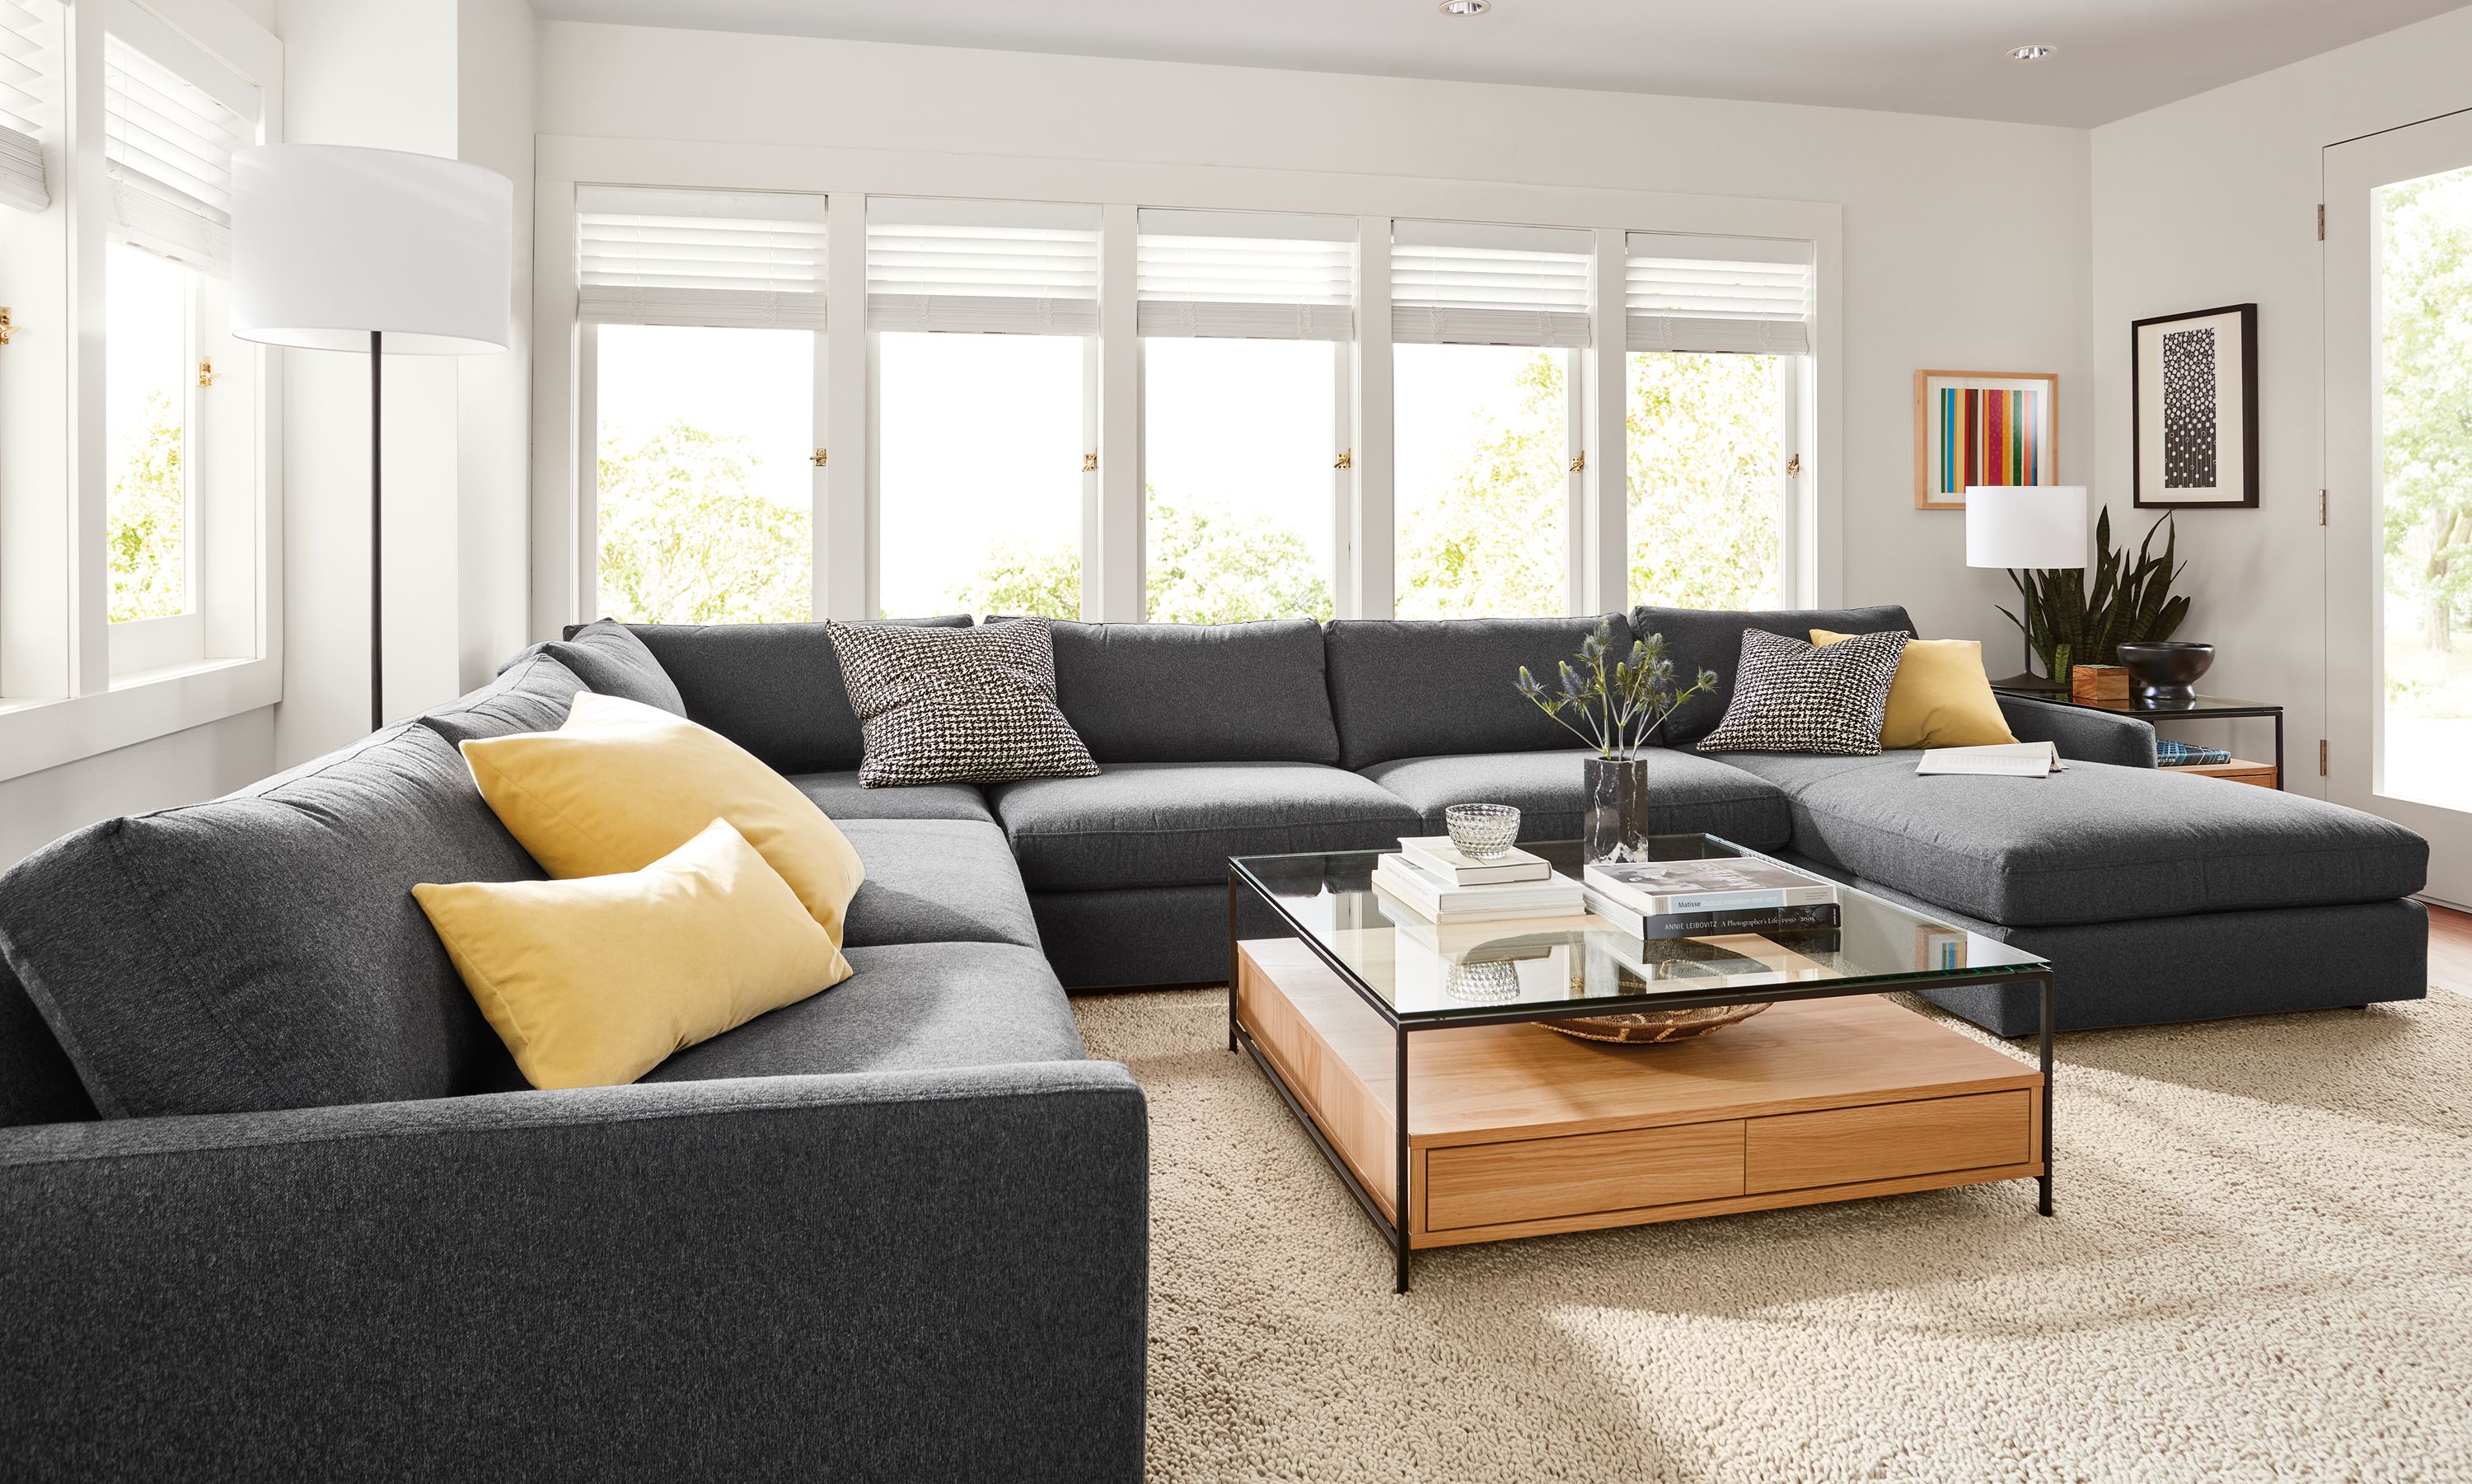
(273, 1200)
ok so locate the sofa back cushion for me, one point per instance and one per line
(264, 950)
(532, 693)
(775, 689)
(1428, 688)
(608, 658)
(1250, 692)
(1699, 639)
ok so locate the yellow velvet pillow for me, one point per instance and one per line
(1940, 697)
(622, 785)
(595, 981)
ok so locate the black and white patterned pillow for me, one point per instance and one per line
(957, 706)
(1792, 697)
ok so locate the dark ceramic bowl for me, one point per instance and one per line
(2167, 670)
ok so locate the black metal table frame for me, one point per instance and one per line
(1395, 1223)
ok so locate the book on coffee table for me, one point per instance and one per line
(1658, 888)
(1554, 896)
(1703, 924)
(1437, 857)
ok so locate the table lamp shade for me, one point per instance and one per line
(330, 243)
(2030, 526)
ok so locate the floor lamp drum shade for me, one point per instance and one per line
(331, 243)
(2037, 527)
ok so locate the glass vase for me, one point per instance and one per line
(1615, 825)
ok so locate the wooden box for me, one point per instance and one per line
(2098, 683)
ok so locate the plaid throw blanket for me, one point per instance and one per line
(2181, 755)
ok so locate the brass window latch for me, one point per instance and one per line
(5, 329)
(816, 458)
(1089, 464)
(1794, 465)
(205, 370)
(1347, 459)
(1580, 463)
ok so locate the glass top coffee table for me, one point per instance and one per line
(1516, 1131)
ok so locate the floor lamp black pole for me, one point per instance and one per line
(378, 567)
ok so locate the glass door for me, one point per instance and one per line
(2399, 484)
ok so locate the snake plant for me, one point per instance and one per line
(2132, 602)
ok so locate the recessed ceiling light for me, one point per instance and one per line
(1466, 7)
(2029, 53)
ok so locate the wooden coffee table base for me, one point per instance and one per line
(1517, 1131)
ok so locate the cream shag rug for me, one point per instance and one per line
(2261, 1269)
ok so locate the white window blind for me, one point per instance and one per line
(1725, 295)
(1252, 275)
(727, 259)
(1463, 283)
(30, 96)
(169, 136)
(989, 268)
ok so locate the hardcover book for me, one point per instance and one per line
(1656, 888)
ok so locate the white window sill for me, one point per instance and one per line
(36, 734)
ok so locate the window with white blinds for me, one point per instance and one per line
(1462, 283)
(989, 268)
(30, 96)
(169, 136)
(1255, 275)
(1724, 295)
(718, 259)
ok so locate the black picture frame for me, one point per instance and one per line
(2182, 465)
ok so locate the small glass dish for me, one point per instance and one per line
(1482, 831)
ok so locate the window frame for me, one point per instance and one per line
(1364, 543)
(70, 687)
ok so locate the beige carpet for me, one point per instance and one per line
(2262, 1269)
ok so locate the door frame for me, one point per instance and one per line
(2353, 479)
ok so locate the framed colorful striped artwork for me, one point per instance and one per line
(1984, 428)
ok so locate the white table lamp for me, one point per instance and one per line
(2034, 527)
(337, 248)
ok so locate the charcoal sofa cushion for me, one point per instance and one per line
(2094, 843)
(775, 689)
(37, 1082)
(263, 950)
(1249, 692)
(1687, 794)
(1426, 688)
(937, 881)
(609, 659)
(904, 1008)
(843, 798)
(1698, 639)
(531, 694)
(1177, 823)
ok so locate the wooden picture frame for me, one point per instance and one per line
(2193, 409)
(1984, 428)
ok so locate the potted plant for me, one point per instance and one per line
(2132, 602)
(1620, 701)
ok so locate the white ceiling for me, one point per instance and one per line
(2115, 56)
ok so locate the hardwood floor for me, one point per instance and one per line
(2450, 950)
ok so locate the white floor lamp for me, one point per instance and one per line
(2036, 527)
(337, 248)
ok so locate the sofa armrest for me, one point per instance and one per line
(2084, 735)
(926, 1275)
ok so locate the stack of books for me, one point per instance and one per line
(1437, 882)
(1699, 898)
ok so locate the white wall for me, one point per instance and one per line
(2213, 201)
(182, 767)
(1964, 242)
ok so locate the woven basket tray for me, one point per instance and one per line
(1648, 1027)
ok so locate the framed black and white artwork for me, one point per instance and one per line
(2192, 384)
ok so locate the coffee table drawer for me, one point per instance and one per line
(1532, 1178)
(1845, 1147)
